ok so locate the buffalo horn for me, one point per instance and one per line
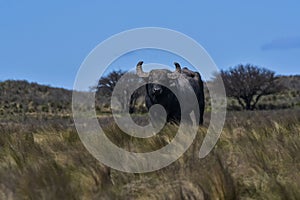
(139, 70)
(176, 73)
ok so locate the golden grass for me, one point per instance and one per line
(257, 157)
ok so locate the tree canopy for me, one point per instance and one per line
(106, 85)
(248, 83)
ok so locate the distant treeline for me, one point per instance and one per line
(22, 97)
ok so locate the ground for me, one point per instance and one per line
(256, 157)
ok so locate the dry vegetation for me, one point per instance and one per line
(257, 157)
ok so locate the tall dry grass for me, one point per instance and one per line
(256, 157)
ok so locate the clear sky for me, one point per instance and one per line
(46, 41)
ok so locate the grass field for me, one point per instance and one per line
(256, 157)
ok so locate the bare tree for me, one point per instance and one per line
(248, 83)
(106, 85)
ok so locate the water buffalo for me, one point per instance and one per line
(157, 93)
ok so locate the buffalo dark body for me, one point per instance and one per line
(182, 81)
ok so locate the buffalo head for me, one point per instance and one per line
(157, 78)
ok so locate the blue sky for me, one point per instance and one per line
(46, 42)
